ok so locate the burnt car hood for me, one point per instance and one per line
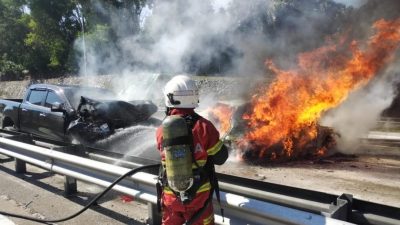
(116, 113)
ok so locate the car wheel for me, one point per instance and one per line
(10, 128)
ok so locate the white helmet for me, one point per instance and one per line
(181, 92)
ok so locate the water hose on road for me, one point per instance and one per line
(92, 202)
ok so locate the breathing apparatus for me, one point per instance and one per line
(177, 145)
(178, 155)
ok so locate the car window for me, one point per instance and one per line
(51, 99)
(36, 96)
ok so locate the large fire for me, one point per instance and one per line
(287, 111)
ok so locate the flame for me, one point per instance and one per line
(222, 113)
(288, 111)
(321, 152)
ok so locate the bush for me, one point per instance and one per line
(10, 70)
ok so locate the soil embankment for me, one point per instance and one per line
(221, 87)
(16, 89)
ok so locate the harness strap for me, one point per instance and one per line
(219, 198)
(191, 121)
(161, 183)
(182, 140)
(215, 186)
(159, 192)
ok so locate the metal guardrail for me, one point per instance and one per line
(388, 124)
(239, 209)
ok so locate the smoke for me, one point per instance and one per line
(230, 37)
(202, 37)
(171, 37)
(213, 36)
(359, 114)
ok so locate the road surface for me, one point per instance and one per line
(39, 193)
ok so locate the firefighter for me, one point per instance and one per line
(189, 146)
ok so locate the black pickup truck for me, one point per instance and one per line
(68, 113)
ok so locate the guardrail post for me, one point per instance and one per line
(342, 208)
(20, 166)
(70, 186)
(154, 214)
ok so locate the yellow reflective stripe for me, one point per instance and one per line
(209, 219)
(168, 190)
(205, 187)
(200, 162)
(213, 150)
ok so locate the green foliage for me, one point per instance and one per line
(12, 32)
(99, 36)
(10, 70)
(53, 28)
(39, 35)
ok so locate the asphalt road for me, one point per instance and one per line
(371, 178)
(40, 194)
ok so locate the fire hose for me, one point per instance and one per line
(92, 202)
(100, 195)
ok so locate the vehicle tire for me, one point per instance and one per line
(9, 125)
(10, 128)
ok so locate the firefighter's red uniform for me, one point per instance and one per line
(206, 143)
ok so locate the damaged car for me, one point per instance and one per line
(72, 113)
(99, 119)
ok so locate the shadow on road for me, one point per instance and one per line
(81, 198)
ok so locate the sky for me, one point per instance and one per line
(353, 3)
(218, 4)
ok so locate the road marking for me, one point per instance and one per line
(5, 221)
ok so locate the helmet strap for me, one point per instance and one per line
(167, 111)
(171, 99)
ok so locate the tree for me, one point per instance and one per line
(53, 25)
(108, 23)
(13, 30)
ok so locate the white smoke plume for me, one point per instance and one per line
(175, 35)
(232, 36)
(355, 117)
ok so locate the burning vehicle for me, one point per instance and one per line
(282, 119)
(233, 128)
